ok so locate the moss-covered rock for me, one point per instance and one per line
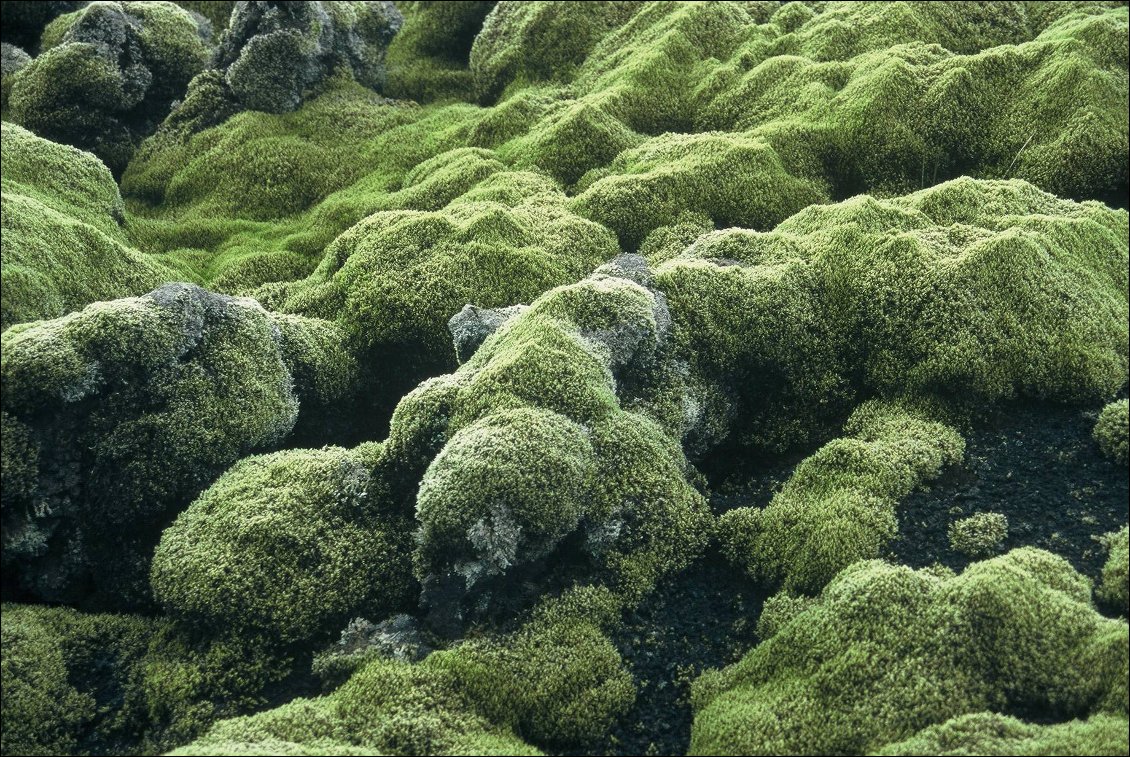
(918, 295)
(839, 506)
(1112, 431)
(63, 246)
(289, 545)
(129, 408)
(273, 53)
(565, 400)
(886, 652)
(111, 79)
(78, 683)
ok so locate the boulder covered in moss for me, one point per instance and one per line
(289, 545)
(126, 410)
(111, 79)
(886, 652)
(273, 53)
(23, 22)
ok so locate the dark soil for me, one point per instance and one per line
(702, 618)
(1040, 468)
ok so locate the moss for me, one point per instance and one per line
(734, 180)
(72, 681)
(218, 12)
(63, 247)
(885, 652)
(135, 405)
(778, 611)
(558, 680)
(1112, 590)
(557, 403)
(979, 535)
(839, 505)
(989, 733)
(914, 296)
(103, 96)
(393, 280)
(427, 61)
(386, 708)
(24, 22)
(289, 545)
(1112, 430)
(525, 43)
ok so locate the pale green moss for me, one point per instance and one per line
(62, 244)
(427, 61)
(886, 651)
(290, 545)
(989, 733)
(979, 535)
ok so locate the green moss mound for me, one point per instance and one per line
(839, 506)
(1112, 431)
(63, 246)
(128, 409)
(111, 79)
(524, 43)
(290, 545)
(913, 296)
(886, 652)
(979, 535)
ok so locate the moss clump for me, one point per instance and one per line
(1113, 430)
(542, 409)
(886, 652)
(979, 535)
(290, 545)
(272, 56)
(63, 247)
(525, 43)
(839, 505)
(111, 79)
(428, 60)
(132, 407)
(992, 733)
(913, 296)
(734, 180)
(1113, 589)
